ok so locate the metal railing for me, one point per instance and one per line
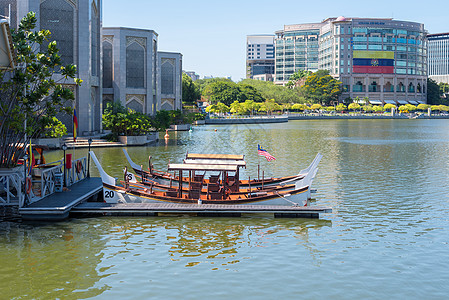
(77, 172)
(11, 188)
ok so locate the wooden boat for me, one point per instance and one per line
(221, 159)
(296, 191)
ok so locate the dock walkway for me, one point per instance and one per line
(201, 210)
(58, 205)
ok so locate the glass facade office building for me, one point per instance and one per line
(297, 48)
(439, 57)
(382, 59)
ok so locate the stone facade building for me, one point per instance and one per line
(129, 68)
(76, 27)
(169, 88)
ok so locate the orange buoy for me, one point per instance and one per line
(166, 136)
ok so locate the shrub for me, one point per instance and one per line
(55, 129)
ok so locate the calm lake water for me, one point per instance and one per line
(387, 238)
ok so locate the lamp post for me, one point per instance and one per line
(88, 157)
(64, 148)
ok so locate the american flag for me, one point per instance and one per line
(264, 152)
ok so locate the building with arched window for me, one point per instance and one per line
(75, 26)
(382, 59)
(129, 68)
(169, 81)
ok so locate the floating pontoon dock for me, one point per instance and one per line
(200, 210)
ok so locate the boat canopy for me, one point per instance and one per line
(214, 156)
(239, 163)
(199, 167)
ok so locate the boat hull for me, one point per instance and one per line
(117, 194)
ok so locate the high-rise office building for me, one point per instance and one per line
(259, 55)
(296, 49)
(438, 57)
(382, 59)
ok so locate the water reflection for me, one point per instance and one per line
(53, 261)
(216, 242)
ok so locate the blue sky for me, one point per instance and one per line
(212, 35)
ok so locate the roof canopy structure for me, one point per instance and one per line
(214, 156)
(199, 167)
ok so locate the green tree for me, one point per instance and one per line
(55, 129)
(30, 92)
(300, 107)
(279, 93)
(218, 108)
(433, 92)
(248, 92)
(296, 77)
(237, 108)
(378, 108)
(322, 88)
(316, 106)
(403, 109)
(367, 108)
(340, 107)
(444, 87)
(423, 107)
(222, 91)
(389, 106)
(354, 106)
(190, 91)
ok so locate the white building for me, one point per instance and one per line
(438, 51)
(259, 55)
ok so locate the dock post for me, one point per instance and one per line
(88, 157)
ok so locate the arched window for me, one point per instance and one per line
(373, 87)
(168, 77)
(107, 64)
(57, 16)
(94, 39)
(135, 105)
(400, 88)
(358, 87)
(388, 87)
(411, 88)
(135, 66)
(418, 88)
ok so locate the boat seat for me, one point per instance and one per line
(214, 178)
(198, 178)
(171, 193)
(194, 194)
(216, 195)
(213, 187)
(196, 185)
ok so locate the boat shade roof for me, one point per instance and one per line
(198, 167)
(214, 156)
(402, 102)
(413, 102)
(240, 163)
